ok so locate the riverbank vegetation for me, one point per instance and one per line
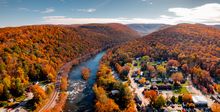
(111, 94)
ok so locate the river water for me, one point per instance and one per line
(81, 96)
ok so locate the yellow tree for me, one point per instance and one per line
(160, 101)
(103, 103)
(7, 81)
(64, 83)
(1, 88)
(142, 80)
(161, 69)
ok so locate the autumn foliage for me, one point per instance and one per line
(60, 103)
(187, 98)
(105, 101)
(39, 95)
(64, 83)
(152, 95)
(85, 73)
(177, 77)
(215, 107)
(36, 53)
(193, 49)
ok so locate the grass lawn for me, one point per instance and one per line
(182, 90)
(161, 83)
(138, 64)
(152, 63)
(186, 83)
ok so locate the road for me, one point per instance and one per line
(195, 91)
(55, 94)
(138, 90)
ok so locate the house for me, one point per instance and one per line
(173, 69)
(11, 100)
(136, 79)
(134, 75)
(159, 80)
(216, 98)
(142, 73)
(170, 80)
(153, 80)
(200, 101)
(114, 92)
(154, 87)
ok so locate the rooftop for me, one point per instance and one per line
(199, 99)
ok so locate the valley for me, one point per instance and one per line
(174, 69)
(110, 56)
(167, 70)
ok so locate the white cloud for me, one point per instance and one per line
(207, 14)
(48, 10)
(90, 10)
(150, 2)
(66, 20)
(24, 9)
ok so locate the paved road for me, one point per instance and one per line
(138, 90)
(55, 93)
(195, 91)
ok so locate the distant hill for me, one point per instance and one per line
(217, 26)
(35, 53)
(145, 29)
(191, 38)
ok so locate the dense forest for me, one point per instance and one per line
(35, 53)
(195, 47)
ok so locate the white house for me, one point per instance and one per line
(200, 101)
(114, 92)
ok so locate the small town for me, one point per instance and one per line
(165, 86)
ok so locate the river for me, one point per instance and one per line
(81, 96)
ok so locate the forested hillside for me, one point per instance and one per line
(195, 46)
(35, 53)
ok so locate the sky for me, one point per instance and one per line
(29, 12)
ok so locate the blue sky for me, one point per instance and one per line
(26, 12)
